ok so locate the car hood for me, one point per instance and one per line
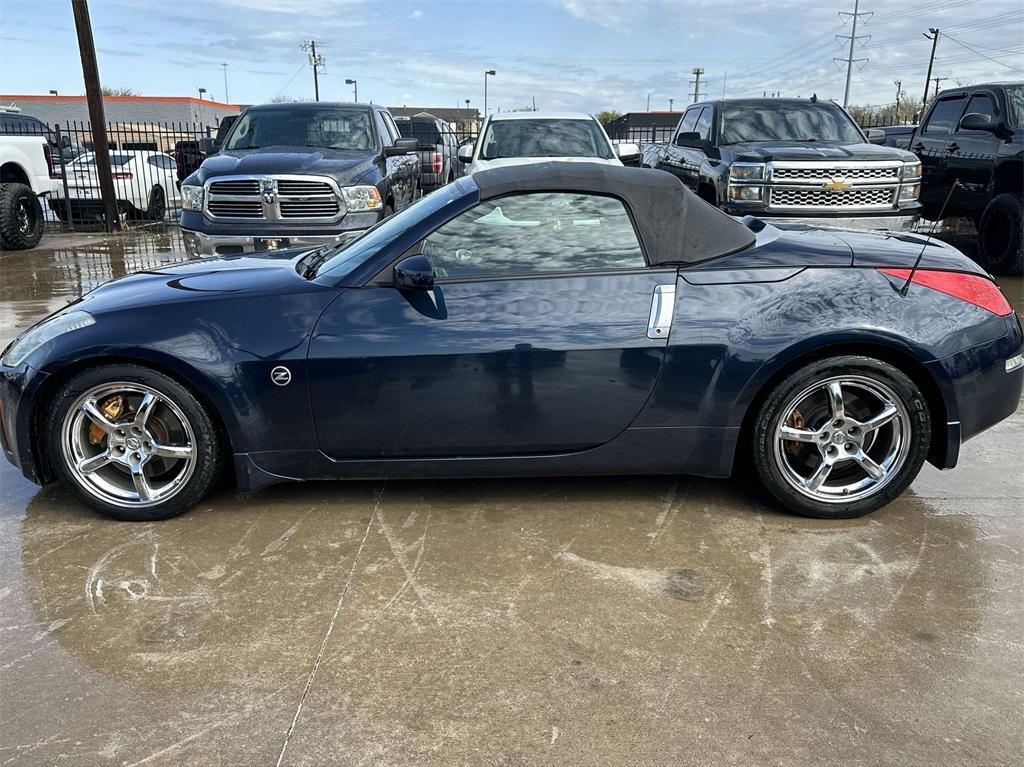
(197, 280)
(342, 165)
(764, 151)
(503, 162)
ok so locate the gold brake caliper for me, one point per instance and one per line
(795, 421)
(112, 408)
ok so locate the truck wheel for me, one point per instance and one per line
(1001, 235)
(157, 208)
(21, 217)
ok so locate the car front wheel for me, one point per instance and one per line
(841, 438)
(1001, 235)
(132, 443)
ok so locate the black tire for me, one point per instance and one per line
(207, 444)
(61, 212)
(1001, 235)
(156, 210)
(21, 217)
(915, 441)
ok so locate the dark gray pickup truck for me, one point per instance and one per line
(290, 175)
(791, 160)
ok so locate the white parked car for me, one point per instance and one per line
(517, 138)
(146, 184)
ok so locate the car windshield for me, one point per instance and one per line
(544, 138)
(358, 250)
(788, 122)
(424, 131)
(1015, 100)
(302, 125)
(115, 159)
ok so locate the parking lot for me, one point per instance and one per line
(615, 620)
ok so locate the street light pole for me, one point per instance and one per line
(490, 72)
(201, 92)
(355, 89)
(227, 99)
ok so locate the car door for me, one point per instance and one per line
(536, 337)
(932, 146)
(684, 162)
(972, 157)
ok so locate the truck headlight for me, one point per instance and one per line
(192, 197)
(746, 171)
(745, 193)
(361, 198)
(47, 330)
(911, 170)
(910, 191)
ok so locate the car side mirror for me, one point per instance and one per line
(691, 139)
(466, 153)
(978, 121)
(875, 135)
(402, 146)
(627, 151)
(209, 145)
(413, 273)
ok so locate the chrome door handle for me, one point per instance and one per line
(663, 306)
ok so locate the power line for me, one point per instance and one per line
(984, 56)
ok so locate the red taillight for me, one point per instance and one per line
(49, 162)
(972, 288)
(438, 162)
(122, 176)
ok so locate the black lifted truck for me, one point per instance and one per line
(290, 175)
(791, 160)
(974, 136)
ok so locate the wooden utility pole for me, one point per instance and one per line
(97, 120)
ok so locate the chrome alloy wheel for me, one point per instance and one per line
(136, 455)
(842, 439)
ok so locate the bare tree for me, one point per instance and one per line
(120, 92)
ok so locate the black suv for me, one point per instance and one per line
(974, 136)
(438, 149)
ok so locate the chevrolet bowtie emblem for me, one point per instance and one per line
(837, 184)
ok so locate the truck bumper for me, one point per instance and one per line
(902, 223)
(202, 244)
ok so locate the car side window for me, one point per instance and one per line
(689, 122)
(982, 103)
(539, 233)
(944, 116)
(703, 127)
(392, 128)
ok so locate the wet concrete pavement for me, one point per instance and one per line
(648, 621)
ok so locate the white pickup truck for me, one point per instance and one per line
(26, 174)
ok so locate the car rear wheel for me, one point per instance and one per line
(21, 217)
(132, 443)
(841, 437)
(1001, 235)
(157, 208)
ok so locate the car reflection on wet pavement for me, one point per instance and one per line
(569, 621)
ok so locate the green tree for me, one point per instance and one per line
(605, 116)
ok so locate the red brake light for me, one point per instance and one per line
(438, 162)
(122, 176)
(49, 162)
(972, 288)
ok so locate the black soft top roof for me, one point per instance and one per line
(676, 226)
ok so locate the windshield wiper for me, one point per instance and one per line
(310, 263)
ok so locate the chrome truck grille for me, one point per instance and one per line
(274, 198)
(848, 186)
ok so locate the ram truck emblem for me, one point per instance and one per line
(268, 189)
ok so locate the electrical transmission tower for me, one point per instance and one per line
(695, 82)
(317, 62)
(853, 38)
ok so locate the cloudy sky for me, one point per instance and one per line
(566, 54)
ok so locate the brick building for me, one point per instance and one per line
(154, 110)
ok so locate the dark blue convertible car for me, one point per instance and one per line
(551, 319)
